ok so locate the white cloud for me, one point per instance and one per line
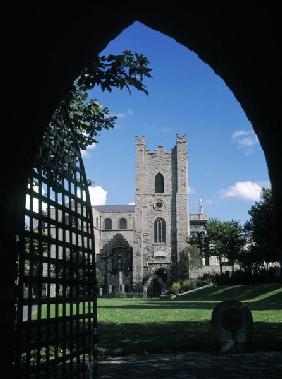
(191, 190)
(211, 202)
(243, 190)
(245, 140)
(98, 195)
(156, 131)
(132, 203)
(121, 115)
(85, 153)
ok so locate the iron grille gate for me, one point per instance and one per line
(56, 310)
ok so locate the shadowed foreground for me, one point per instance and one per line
(193, 365)
(137, 326)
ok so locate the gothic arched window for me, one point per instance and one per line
(108, 223)
(159, 183)
(159, 230)
(122, 223)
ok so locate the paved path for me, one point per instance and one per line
(193, 366)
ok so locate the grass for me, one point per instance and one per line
(58, 310)
(127, 326)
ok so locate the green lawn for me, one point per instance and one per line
(127, 326)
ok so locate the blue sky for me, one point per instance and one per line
(226, 164)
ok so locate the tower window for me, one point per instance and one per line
(108, 224)
(122, 223)
(159, 183)
(160, 230)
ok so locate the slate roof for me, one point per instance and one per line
(114, 208)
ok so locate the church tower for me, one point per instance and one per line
(161, 214)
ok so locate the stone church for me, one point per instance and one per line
(137, 246)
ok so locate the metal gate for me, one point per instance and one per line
(56, 310)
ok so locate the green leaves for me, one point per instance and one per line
(87, 116)
(226, 239)
(119, 71)
(262, 229)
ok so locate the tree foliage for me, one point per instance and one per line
(183, 265)
(262, 230)
(189, 259)
(195, 257)
(87, 116)
(226, 239)
(234, 239)
(119, 71)
(200, 240)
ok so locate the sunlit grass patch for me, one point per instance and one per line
(128, 326)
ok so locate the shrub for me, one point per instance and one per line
(208, 278)
(249, 277)
(190, 284)
(175, 287)
(194, 283)
(185, 286)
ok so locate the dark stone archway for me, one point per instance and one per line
(115, 262)
(46, 45)
(156, 284)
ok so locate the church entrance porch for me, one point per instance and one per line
(121, 265)
(156, 284)
(115, 263)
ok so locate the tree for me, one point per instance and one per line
(200, 240)
(87, 116)
(263, 231)
(226, 240)
(249, 260)
(214, 229)
(189, 259)
(234, 241)
(183, 265)
(195, 257)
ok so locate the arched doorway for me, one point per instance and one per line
(115, 263)
(157, 283)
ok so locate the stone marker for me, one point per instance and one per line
(101, 292)
(231, 327)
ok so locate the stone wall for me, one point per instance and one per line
(171, 205)
(182, 216)
(103, 236)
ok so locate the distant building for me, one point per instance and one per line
(137, 246)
